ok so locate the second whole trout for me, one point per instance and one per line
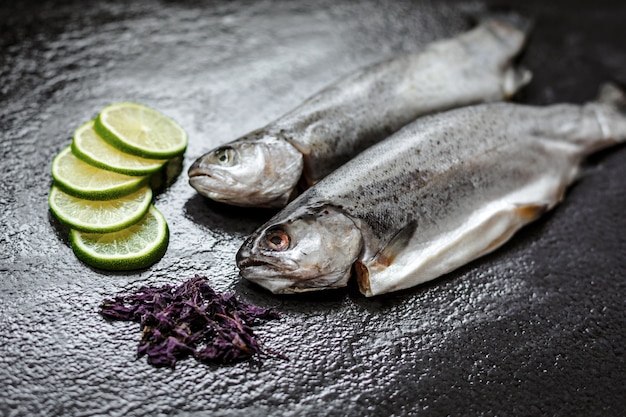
(266, 167)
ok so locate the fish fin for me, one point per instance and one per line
(609, 109)
(530, 212)
(397, 243)
(512, 29)
(521, 22)
(612, 95)
(514, 79)
(477, 13)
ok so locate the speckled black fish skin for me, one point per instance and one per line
(441, 192)
(340, 121)
(368, 106)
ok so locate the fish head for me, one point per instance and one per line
(258, 170)
(305, 250)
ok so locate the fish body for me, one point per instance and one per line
(265, 167)
(436, 195)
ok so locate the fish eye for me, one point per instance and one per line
(224, 156)
(277, 240)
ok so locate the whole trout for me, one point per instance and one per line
(441, 192)
(265, 167)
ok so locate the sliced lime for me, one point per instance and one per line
(99, 216)
(83, 180)
(135, 247)
(140, 130)
(91, 148)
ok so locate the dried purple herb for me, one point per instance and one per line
(191, 319)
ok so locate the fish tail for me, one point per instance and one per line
(514, 79)
(510, 21)
(509, 31)
(511, 28)
(611, 94)
(610, 111)
(506, 19)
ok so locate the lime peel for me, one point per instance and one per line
(91, 148)
(140, 130)
(100, 185)
(99, 216)
(136, 247)
(83, 180)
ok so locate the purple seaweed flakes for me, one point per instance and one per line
(251, 313)
(165, 351)
(117, 310)
(190, 320)
(234, 341)
(226, 348)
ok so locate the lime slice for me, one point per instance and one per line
(135, 247)
(99, 216)
(140, 130)
(91, 148)
(83, 180)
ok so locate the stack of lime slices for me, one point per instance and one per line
(101, 186)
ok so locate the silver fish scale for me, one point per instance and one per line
(438, 170)
(358, 111)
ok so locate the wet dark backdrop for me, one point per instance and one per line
(537, 328)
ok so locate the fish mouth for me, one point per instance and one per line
(246, 263)
(197, 172)
(266, 276)
(247, 259)
(208, 172)
(285, 285)
(198, 177)
(199, 169)
(210, 184)
(277, 278)
(270, 275)
(252, 263)
(200, 174)
(203, 185)
(252, 267)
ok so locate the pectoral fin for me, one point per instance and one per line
(397, 243)
(384, 258)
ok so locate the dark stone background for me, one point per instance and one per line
(537, 328)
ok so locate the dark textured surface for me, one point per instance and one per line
(537, 328)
